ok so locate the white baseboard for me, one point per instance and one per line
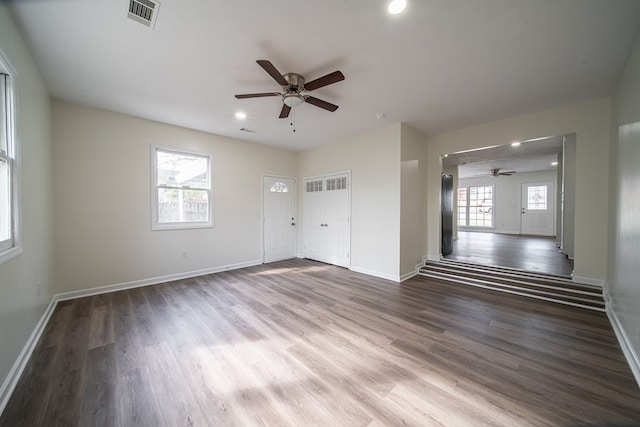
(392, 277)
(153, 281)
(409, 275)
(415, 272)
(15, 373)
(629, 352)
(432, 257)
(589, 281)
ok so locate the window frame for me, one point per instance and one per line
(12, 247)
(155, 187)
(468, 205)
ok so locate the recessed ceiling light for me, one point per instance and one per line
(397, 6)
(240, 115)
(554, 163)
(515, 144)
(446, 155)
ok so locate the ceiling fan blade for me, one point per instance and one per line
(257, 95)
(320, 103)
(285, 111)
(273, 72)
(508, 173)
(331, 78)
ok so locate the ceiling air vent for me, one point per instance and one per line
(144, 11)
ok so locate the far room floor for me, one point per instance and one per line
(530, 253)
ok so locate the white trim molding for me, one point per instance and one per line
(629, 352)
(589, 281)
(20, 364)
(378, 274)
(153, 281)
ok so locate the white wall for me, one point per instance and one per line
(623, 286)
(507, 197)
(591, 122)
(20, 305)
(568, 242)
(374, 161)
(103, 208)
(559, 177)
(413, 202)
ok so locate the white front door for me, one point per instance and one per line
(279, 218)
(538, 209)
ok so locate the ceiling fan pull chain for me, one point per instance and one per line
(293, 122)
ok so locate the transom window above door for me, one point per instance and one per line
(279, 187)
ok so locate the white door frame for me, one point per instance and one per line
(262, 213)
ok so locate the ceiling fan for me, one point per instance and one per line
(293, 86)
(496, 172)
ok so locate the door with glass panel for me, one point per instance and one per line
(537, 211)
(279, 218)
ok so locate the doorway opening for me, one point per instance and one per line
(513, 205)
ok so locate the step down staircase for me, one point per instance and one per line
(546, 287)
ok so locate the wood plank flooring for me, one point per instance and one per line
(531, 253)
(300, 343)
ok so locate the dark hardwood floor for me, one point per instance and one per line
(301, 343)
(530, 253)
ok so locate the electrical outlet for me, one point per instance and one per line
(184, 253)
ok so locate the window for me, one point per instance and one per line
(537, 198)
(279, 187)
(9, 246)
(337, 183)
(462, 206)
(313, 186)
(181, 190)
(475, 206)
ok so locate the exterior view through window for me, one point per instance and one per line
(475, 206)
(182, 189)
(7, 186)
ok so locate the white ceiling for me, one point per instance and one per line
(438, 66)
(529, 156)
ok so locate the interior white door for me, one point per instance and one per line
(313, 219)
(279, 218)
(538, 209)
(326, 220)
(336, 223)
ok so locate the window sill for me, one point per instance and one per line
(174, 226)
(10, 254)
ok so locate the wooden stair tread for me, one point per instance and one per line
(547, 287)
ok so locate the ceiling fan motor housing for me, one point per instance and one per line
(296, 82)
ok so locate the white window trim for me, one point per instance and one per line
(154, 191)
(15, 154)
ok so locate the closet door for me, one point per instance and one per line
(326, 219)
(336, 223)
(313, 219)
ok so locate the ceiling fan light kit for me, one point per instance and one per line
(292, 100)
(293, 85)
